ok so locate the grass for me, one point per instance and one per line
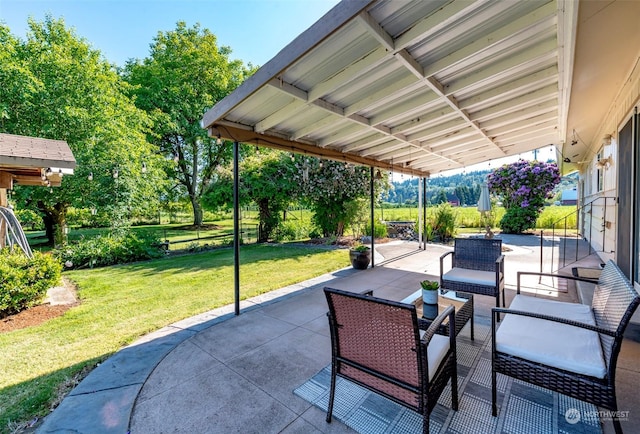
(469, 217)
(122, 303)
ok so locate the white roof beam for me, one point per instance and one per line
(502, 69)
(526, 136)
(376, 30)
(283, 114)
(545, 94)
(385, 95)
(425, 121)
(515, 31)
(350, 73)
(371, 140)
(415, 68)
(415, 106)
(521, 85)
(437, 130)
(315, 126)
(466, 135)
(381, 149)
(350, 131)
(525, 113)
(441, 19)
(548, 118)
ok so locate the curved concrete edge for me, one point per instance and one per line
(103, 402)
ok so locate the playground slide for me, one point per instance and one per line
(14, 233)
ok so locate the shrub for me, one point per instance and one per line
(286, 231)
(23, 281)
(116, 247)
(315, 233)
(380, 229)
(524, 187)
(29, 219)
(443, 222)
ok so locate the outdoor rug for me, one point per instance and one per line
(523, 408)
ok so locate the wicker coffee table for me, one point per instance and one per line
(461, 301)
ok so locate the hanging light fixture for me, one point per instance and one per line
(219, 140)
(378, 174)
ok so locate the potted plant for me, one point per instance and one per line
(360, 256)
(430, 291)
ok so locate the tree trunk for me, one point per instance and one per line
(60, 224)
(48, 227)
(55, 223)
(197, 211)
(265, 227)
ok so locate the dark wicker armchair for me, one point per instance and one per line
(569, 348)
(477, 267)
(377, 344)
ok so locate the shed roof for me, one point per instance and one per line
(25, 160)
(424, 86)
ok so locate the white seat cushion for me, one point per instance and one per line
(559, 345)
(476, 277)
(436, 350)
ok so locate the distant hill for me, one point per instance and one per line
(463, 186)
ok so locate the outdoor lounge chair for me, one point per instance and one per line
(569, 348)
(378, 344)
(477, 267)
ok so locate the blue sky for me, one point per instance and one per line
(256, 30)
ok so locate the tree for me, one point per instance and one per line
(57, 87)
(441, 197)
(330, 187)
(523, 186)
(265, 181)
(185, 74)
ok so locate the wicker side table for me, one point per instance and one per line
(461, 301)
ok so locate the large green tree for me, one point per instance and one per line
(265, 181)
(54, 85)
(185, 74)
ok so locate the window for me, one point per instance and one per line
(599, 173)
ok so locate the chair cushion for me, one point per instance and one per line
(476, 277)
(436, 351)
(558, 345)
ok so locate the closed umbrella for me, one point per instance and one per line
(484, 203)
(484, 206)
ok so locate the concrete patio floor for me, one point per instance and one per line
(218, 372)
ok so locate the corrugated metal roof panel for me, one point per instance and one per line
(418, 86)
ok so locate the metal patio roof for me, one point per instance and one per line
(417, 86)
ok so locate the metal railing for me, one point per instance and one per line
(584, 218)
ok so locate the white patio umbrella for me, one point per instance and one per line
(484, 203)
(484, 206)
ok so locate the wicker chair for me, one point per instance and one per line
(477, 267)
(377, 344)
(569, 348)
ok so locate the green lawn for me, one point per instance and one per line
(469, 217)
(122, 303)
